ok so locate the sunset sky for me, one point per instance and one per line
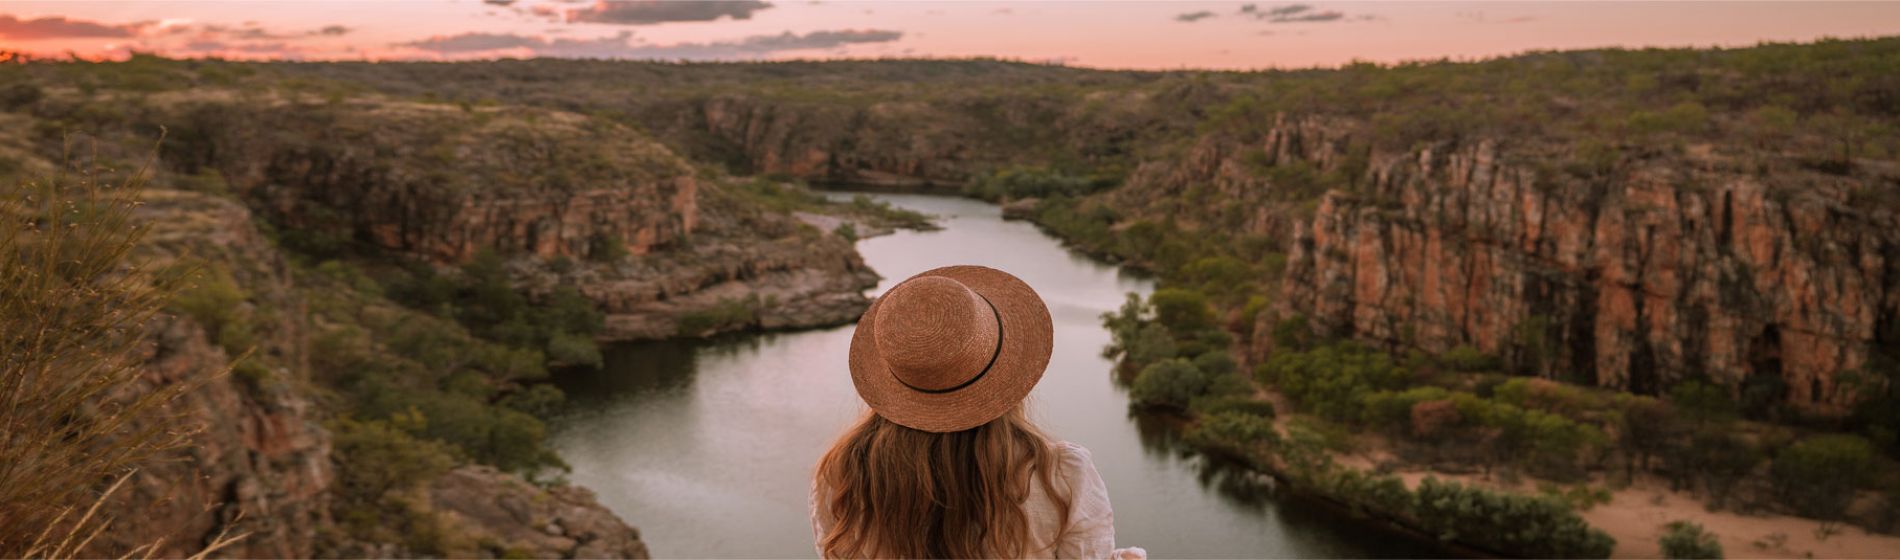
(1148, 35)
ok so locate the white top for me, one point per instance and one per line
(1091, 530)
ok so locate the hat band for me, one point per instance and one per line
(998, 352)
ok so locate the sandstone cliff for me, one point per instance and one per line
(626, 220)
(261, 462)
(1670, 267)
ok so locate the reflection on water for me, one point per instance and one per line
(708, 446)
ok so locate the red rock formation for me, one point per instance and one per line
(1668, 269)
(259, 463)
(442, 183)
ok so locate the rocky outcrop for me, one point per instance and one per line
(443, 183)
(510, 518)
(259, 462)
(915, 142)
(621, 215)
(1673, 267)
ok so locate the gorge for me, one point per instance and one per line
(402, 263)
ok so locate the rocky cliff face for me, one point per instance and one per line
(623, 215)
(1671, 267)
(260, 463)
(936, 140)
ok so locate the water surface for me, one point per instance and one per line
(708, 446)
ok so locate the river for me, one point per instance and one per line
(707, 446)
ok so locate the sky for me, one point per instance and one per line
(1098, 34)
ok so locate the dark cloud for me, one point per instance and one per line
(476, 42)
(1288, 10)
(277, 49)
(760, 45)
(503, 3)
(1192, 17)
(58, 27)
(1309, 16)
(648, 12)
(1295, 13)
(252, 32)
(622, 46)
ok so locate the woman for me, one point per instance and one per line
(946, 464)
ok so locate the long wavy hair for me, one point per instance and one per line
(897, 492)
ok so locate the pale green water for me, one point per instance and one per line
(708, 447)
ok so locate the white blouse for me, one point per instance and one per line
(1090, 533)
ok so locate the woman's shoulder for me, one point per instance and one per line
(1071, 450)
(1075, 461)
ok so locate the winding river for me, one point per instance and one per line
(707, 446)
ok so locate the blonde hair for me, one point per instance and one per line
(898, 492)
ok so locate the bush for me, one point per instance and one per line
(1685, 540)
(1702, 401)
(1234, 404)
(1184, 312)
(1468, 359)
(379, 457)
(728, 314)
(1026, 182)
(1393, 410)
(1818, 476)
(846, 231)
(1235, 434)
(1517, 525)
(1173, 382)
(1721, 460)
(1333, 381)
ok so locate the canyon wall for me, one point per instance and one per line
(936, 140)
(1673, 266)
(570, 200)
(260, 461)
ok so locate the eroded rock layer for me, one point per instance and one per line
(1667, 269)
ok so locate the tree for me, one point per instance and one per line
(1818, 476)
(1172, 382)
(1721, 460)
(1184, 312)
(1685, 540)
(1646, 428)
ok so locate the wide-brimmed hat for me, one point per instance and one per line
(952, 348)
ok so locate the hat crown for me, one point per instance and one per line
(936, 334)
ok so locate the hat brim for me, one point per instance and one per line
(1028, 340)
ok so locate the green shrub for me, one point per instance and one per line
(847, 231)
(729, 313)
(1515, 524)
(1720, 460)
(1333, 381)
(1028, 182)
(573, 350)
(1217, 362)
(1232, 404)
(1468, 359)
(1235, 434)
(379, 457)
(1184, 312)
(1818, 476)
(1683, 540)
(1173, 382)
(1702, 401)
(1393, 410)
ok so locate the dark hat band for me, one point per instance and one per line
(986, 367)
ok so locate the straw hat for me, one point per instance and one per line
(952, 348)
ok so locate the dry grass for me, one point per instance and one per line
(76, 417)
